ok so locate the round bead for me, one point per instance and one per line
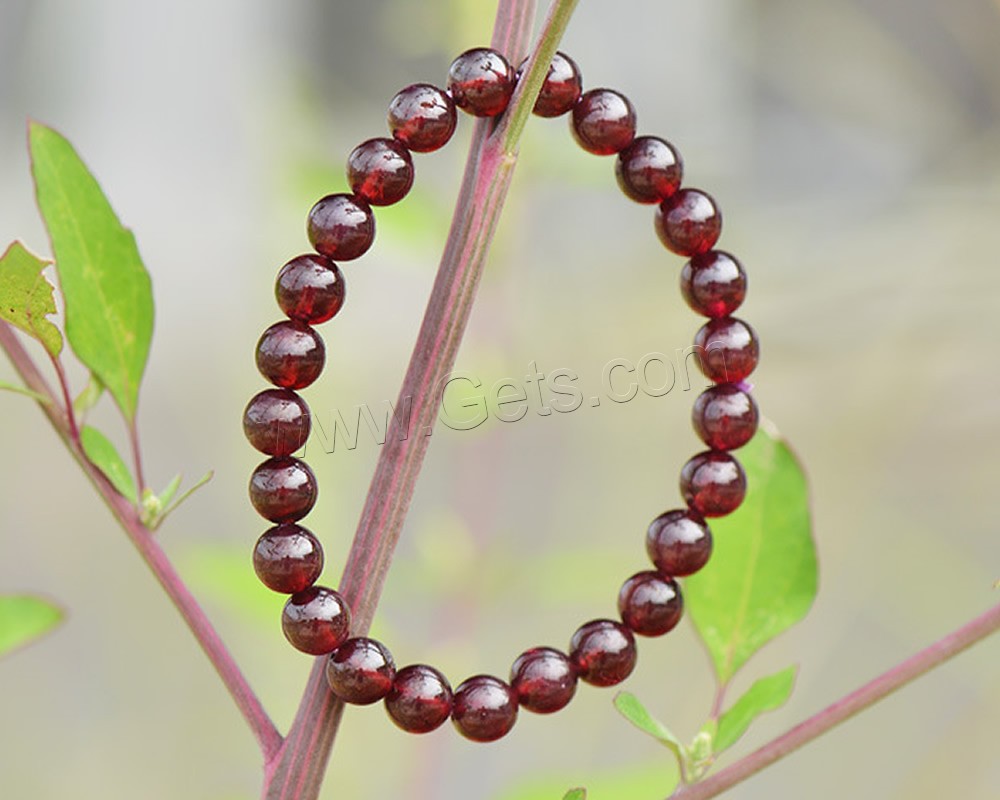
(420, 699)
(360, 671)
(543, 679)
(651, 605)
(679, 542)
(688, 223)
(341, 226)
(290, 354)
(380, 171)
(713, 483)
(288, 558)
(310, 288)
(422, 117)
(481, 82)
(728, 350)
(649, 170)
(603, 122)
(484, 709)
(714, 284)
(561, 89)
(276, 422)
(725, 417)
(603, 652)
(283, 489)
(316, 620)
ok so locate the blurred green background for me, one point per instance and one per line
(855, 149)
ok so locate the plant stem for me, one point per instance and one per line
(128, 517)
(845, 708)
(489, 168)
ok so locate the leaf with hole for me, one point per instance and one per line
(104, 456)
(105, 286)
(766, 694)
(26, 298)
(762, 577)
(23, 618)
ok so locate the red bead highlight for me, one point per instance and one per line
(649, 170)
(689, 223)
(725, 417)
(341, 226)
(679, 542)
(484, 708)
(481, 82)
(543, 679)
(316, 621)
(422, 117)
(650, 604)
(290, 354)
(603, 122)
(380, 171)
(420, 699)
(603, 652)
(728, 350)
(288, 558)
(283, 489)
(714, 284)
(360, 671)
(713, 483)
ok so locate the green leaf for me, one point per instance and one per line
(762, 576)
(26, 296)
(576, 794)
(24, 618)
(104, 456)
(88, 398)
(630, 707)
(11, 387)
(766, 694)
(106, 289)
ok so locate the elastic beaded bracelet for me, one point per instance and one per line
(310, 290)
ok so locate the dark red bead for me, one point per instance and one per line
(679, 542)
(380, 171)
(727, 349)
(714, 283)
(422, 117)
(650, 604)
(283, 489)
(317, 620)
(360, 671)
(649, 170)
(725, 417)
(288, 558)
(341, 226)
(481, 82)
(420, 699)
(689, 223)
(310, 288)
(484, 709)
(276, 422)
(603, 652)
(561, 89)
(543, 679)
(290, 354)
(713, 483)
(603, 122)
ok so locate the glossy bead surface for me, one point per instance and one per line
(316, 620)
(713, 483)
(603, 122)
(283, 489)
(290, 354)
(679, 542)
(341, 226)
(725, 417)
(481, 82)
(310, 289)
(380, 171)
(420, 699)
(543, 679)
(422, 117)
(360, 671)
(288, 558)
(714, 284)
(484, 708)
(276, 422)
(561, 89)
(650, 604)
(689, 223)
(649, 170)
(728, 350)
(603, 652)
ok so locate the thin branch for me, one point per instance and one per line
(845, 708)
(128, 517)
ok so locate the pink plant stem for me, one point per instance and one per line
(845, 708)
(298, 772)
(128, 517)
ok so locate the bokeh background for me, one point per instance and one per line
(855, 149)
